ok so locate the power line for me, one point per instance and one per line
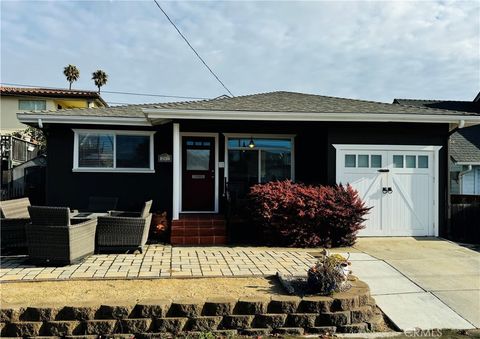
(193, 49)
(115, 92)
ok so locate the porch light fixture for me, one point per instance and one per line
(251, 144)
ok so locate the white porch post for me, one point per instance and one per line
(176, 171)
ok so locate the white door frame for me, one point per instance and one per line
(178, 169)
(433, 229)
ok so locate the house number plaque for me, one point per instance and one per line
(164, 157)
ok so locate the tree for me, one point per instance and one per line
(100, 78)
(72, 74)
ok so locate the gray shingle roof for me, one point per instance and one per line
(464, 106)
(465, 145)
(264, 102)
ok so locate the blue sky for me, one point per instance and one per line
(359, 49)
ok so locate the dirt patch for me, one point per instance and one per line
(79, 292)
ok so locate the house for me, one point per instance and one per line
(465, 161)
(464, 145)
(19, 99)
(183, 155)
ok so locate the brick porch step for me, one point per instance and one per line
(199, 229)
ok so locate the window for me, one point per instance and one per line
(105, 151)
(32, 105)
(363, 161)
(398, 161)
(253, 160)
(198, 159)
(423, 161)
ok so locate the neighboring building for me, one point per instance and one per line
(464, 145)
(19, 99)
(465, 161)
(184, 155)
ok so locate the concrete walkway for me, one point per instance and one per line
(422, 282)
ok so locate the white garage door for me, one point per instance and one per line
(397, 181)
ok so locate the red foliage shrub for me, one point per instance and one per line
(293, 214)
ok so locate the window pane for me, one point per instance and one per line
(350, 160)
(133, 151)
(32, 105)
(276, 165)
(411, 161)
(398, 161)
(376, 161)
(198, 159)
(362, 160)
(242, 171)
(422, 161)
(95, 150)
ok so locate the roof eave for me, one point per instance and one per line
(36, 119)
(155, 113)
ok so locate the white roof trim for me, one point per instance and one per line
(154, 113)
(158, 115)
(82, 119)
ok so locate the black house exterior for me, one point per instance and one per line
(184, 155)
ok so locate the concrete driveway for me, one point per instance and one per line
(421, 282)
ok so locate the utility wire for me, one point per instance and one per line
(193, 49)
(116, 92)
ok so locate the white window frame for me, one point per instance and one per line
(114, 169)
(290, 137)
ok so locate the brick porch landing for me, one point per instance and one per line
(199, 229)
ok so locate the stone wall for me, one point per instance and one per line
(351, 311)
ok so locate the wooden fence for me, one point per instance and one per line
(465, 218)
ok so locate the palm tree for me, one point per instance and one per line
(72, 74)
(100, 78)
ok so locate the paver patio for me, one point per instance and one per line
(163, 261)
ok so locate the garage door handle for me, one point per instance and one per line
(384, 190)
(384, 170)
(390, 191)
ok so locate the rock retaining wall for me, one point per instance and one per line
(351, 311)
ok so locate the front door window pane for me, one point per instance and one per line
(198, 159)
(95, 150)
(276, 165)
(398, 161)
(362, 160)
(133, 151)
(410, 161)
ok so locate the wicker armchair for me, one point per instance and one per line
(122, 231)
(14, 217)
(56, 240)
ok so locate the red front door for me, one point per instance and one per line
(198, 167)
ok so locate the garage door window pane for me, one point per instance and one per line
(362, 160)
(398, 161)
(422, 161)
(376, 161)
(410, 161)
(350, 160)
